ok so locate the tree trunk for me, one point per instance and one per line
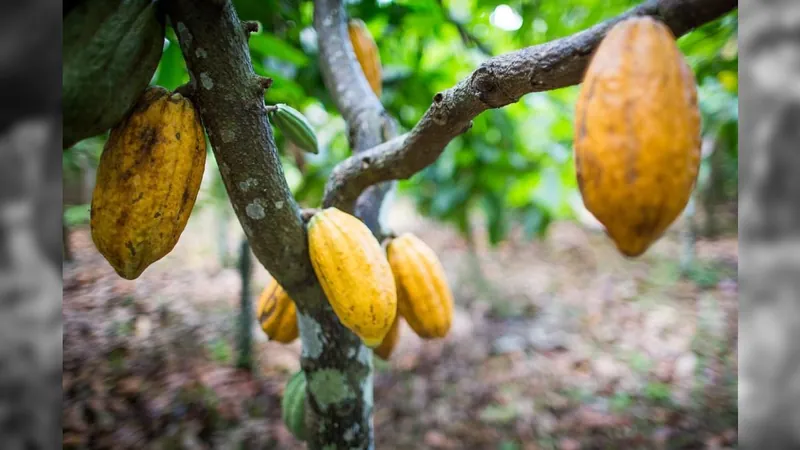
(712, 194)
(223, 253)
(67, 251)
(688, 237)
(245, 359)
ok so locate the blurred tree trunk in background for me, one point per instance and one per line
(245, 350)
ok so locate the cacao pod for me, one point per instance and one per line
(277, 314)
(110, 53)
(293, 405)
(384, 351)
(147, 181)
(354, 274)
(424, 298)
(295, 127)
(637, 134)
(367, 53)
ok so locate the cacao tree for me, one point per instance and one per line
(228, 66)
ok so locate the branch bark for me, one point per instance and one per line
(498, 82)
(231, 103)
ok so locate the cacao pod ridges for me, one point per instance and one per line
(637, 134)
(424, 298)
(277, 314)
(293, 409)
(148, 179)
(295, 127)
(354, 274)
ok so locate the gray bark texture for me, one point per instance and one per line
(229, 95)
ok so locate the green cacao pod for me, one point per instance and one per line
(110, 52)
(354, 274)
(637, 134)
(295, 127)
(293, 405)
(147, 181)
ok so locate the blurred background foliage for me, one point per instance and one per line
(515, 165)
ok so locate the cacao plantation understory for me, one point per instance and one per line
(342, 283)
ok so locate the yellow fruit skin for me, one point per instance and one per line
(637, 134)
(354, 274)
(384, 351)
(367, 53)
(424, 298)
(277, 314)
(147, 181)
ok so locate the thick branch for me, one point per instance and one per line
(231, 102)
(368, 123)
(498, 82)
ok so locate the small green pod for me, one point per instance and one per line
(293, 405)
(295, 127)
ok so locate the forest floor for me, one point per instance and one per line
(556, 344)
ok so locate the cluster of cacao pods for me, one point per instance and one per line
(637, 134)
(370, 287)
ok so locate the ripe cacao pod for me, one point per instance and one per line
(277, 314)
(295, 127)
(110, 53)
(354, 274)
(293, 405)
(424, 298)
(637, 134)
(367, 53)
(147, 181)
(384, 351)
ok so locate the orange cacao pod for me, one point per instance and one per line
(147, 181)
(366, 52)
(424, 298)
(384, 351)
(277, 314)
(637, 134)
(354, 274)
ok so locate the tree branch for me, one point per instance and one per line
(230, 98)
(368, 122)
(231, 102)
(498, 82)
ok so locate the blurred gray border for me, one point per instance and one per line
(30, 225)
(769, 224)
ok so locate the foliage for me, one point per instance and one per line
(515, 165)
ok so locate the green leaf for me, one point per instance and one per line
(171, 71)
(266, 44)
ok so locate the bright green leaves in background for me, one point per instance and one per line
(515, 165)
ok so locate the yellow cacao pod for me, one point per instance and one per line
(367, 53)
(637, 134)
(354, 274)
(147, 181)
(277, 314)
(424, 298)
(384, 351)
